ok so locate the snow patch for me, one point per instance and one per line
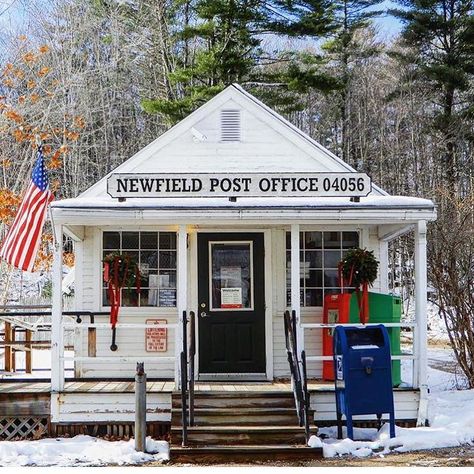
(315, 442)
(451, 416)
(81, 450)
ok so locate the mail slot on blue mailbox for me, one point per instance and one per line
(363, 375)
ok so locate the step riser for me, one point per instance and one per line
(227, 439)
(240, 403)
(239, 420)
(246, 457)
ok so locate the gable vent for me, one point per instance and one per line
(230, 125)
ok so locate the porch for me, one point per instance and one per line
(107, 407)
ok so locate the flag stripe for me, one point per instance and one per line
(32, 238)
(13, 236)
(23, 214)
(24, 236)
(30, 233)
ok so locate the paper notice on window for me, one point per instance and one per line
(231, 276)
(231, 297)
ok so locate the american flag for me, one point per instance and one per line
(24, 236)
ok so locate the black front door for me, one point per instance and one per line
(231, 295)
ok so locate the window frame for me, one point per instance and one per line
(323, 287)
(132, 308)
(251, 269)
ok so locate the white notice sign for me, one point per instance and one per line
(156, 338)
(231, 297)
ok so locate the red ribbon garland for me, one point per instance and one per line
(115, 286)
(362, 300)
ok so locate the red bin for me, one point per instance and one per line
(336, 310)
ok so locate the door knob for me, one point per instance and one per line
(204, 314)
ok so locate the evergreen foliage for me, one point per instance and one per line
(226, 49)
(439, 36)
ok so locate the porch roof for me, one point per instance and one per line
(375, 208)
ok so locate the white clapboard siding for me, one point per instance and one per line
(113, 407)
(406, 405)
(261, 147)
(132, 342)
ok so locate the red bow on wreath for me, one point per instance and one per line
(119, 271)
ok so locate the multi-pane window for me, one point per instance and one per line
(155, 254)
(320, 253)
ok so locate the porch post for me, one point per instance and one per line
(295, 281)
(181, 296)
(57, 336)
(421, 340)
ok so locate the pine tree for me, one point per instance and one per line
(333, 27)
(440, 39)
(224, 49)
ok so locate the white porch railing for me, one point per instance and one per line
(321, 326)
(70, 323)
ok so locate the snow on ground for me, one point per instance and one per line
(450, 415)
(79, 451)
(41, 365)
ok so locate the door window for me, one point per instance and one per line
(231, 283)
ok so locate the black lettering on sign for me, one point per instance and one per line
(197, 185)
(264, 185)
(246, 182)
(214, 182)
(221, 184)
(122, 185)
(133, 187)
(146, 184)
(225, 185)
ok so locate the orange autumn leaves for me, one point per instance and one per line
(9, 203)
(30, 85)
(30, 94)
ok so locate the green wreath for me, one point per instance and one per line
(121, 270)
(359, 267)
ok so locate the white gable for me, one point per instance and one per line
(265, 142)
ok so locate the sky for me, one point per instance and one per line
(14, 17)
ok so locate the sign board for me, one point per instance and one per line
(307, 184)
(156, 339)
(231, 297)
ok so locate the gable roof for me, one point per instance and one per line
(237, 95)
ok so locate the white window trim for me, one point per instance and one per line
(323, 288)
(152, 310)
(227, 242)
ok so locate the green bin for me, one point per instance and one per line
(383, 309)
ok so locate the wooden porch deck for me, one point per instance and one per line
(105, 386)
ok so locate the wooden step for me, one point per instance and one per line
(239, 416)
(243, 453)
(238, 400)
(240, 435)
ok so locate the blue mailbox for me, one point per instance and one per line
(363, 375)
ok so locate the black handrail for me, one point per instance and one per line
(298, 374)
(78, 314)
(184, 380)
(192, 353)
(306, 395)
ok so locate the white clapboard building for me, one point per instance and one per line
(236, 216)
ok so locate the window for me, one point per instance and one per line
(155, 253)
(320, 252)
(231, 285)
